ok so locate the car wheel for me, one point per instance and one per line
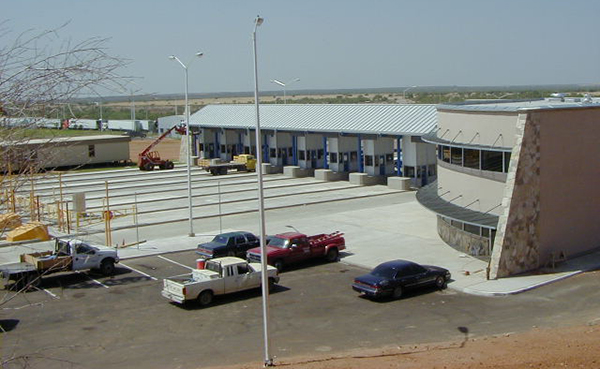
(107, 267)
(279, 265)
(397, 293)
(440, 282)
(332, 255)
(205, 298)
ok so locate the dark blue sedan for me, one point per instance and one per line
(392, 278)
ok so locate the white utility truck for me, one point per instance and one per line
(219, 276)
(68, 255)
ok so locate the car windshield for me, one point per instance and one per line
(282, 243)
(383, 271)
(220, 239)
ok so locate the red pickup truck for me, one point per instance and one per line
(292, 247)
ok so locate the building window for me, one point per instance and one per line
(491, 160)
(369, 160)
(472, 229)
(409, 171)
(201, 146)
(446, 153)
(389, 158)
(320, 154)
(92, 151)
(432, 170)
(333, 157)
(223, 148)
(272, 153)
(456, 153)
(471, 158)
(485, 232)
(506, 161)
(301, 155)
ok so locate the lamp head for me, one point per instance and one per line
(199, 54)
(172, 57)
(258, 21)
(278, 82)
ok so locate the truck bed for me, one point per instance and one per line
(47, 260)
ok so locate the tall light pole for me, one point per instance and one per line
(282, 84)
(261, 208)
(411, 87)
(188, 142)
(99, 105)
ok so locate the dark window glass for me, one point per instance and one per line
(389, 158)
(456, 153)
(320, 154)
(272, 153)
(251, 238)
(92, 151)
(491, 160)
(384, 272)
(222, 148)
(301, 155)
(409, 171)
(485, 232)
(472, 229)
(333, 157)
(456, 224)
(201, 146)
(471, 158)
(291, 151)
(446, 154)
(239, 239)
(506, 161)
(369, 160)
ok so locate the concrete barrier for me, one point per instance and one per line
(329, 175)
(399, 183)
(271, 169)
(363, 179)
(297, 172)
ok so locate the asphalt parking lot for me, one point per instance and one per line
(91, 321)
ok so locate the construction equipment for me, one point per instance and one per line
(148, 159)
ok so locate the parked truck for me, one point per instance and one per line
(68, 255)
(293, 247)
(219, 276)
(241, 163)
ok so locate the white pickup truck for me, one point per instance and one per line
(68, 255)
(219, 276)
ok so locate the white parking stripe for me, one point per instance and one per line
(50, 293)
(137, 271)
(93, 280)
(174, 262)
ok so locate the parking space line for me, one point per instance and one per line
(174, 262)
(50, 293)
(93, 280)
(140, 272)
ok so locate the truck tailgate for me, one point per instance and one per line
(174, 291)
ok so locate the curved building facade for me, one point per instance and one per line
(518, 181)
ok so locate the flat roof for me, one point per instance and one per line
(392, 119)
(518, 105)
(62, 140)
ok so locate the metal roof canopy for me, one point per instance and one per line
(390, 119)
(429, 198)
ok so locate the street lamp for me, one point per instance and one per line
(188, 142)
(261, 208)
(411, 87)
(99, 105)
(278, 82)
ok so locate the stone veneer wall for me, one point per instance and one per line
(516, 246)
(466, 242)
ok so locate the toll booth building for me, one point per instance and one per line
(378, 140)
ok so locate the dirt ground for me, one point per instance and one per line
(573, 347)
(168, 148)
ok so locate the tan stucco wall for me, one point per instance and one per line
(480, 128)
(570, 181)
(483, 194)
(552, 196)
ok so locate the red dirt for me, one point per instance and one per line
(168, 148)
(573, 347)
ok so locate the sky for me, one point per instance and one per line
(332, 44)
